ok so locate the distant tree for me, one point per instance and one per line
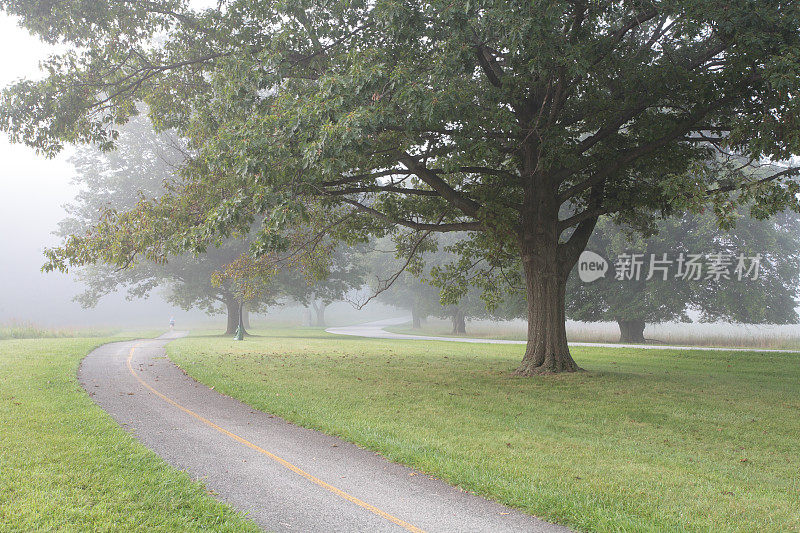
(185, 281)
(251, 280)
(144, 166)
(773, 297)
(635, 303)
(345, 273)
(424, 288)
(411, 293)
(469, 305)
(399, 285)
(328, 275)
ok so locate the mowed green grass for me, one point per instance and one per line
(644, 441)
(66, 465)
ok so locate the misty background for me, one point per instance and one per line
(33, 190)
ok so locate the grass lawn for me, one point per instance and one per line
(66, 465)
(646, 440)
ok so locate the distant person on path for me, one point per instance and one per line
(172, 322)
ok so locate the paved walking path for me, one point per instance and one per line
(285, 477)
(376, 330)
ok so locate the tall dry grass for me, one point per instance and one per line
(691, 334)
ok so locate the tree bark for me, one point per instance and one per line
(459, 323)
(233, 316)
(233, 309)
(416, 320)
(246, 317)
(241, 320)
(546, 269)
(319, 310)
(631, 330)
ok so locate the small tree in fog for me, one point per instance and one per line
(433, 286)
(144, 166)
(340, 270)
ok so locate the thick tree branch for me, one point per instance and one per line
(466, 205)
(364, 177)
(682, 127)
(383, 188)
(579, 217)
(615, 38)
(571, 250)
(489, 65)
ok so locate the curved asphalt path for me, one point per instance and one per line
(375, 330)
(286, 478)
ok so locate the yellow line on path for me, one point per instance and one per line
(279, 460)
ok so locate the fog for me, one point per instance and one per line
(32, 194)
(33, 190)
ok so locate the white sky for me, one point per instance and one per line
(25, 177)
(32, 191)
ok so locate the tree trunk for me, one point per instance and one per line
(631, 330)
(459, 324)
(233, 316)
(246, 317)
(416, 320)
(319, 310)
(545, 282)
(241, 320)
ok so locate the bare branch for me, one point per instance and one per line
(384, 285)
(743, 186)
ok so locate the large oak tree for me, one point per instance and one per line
(519, 122)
